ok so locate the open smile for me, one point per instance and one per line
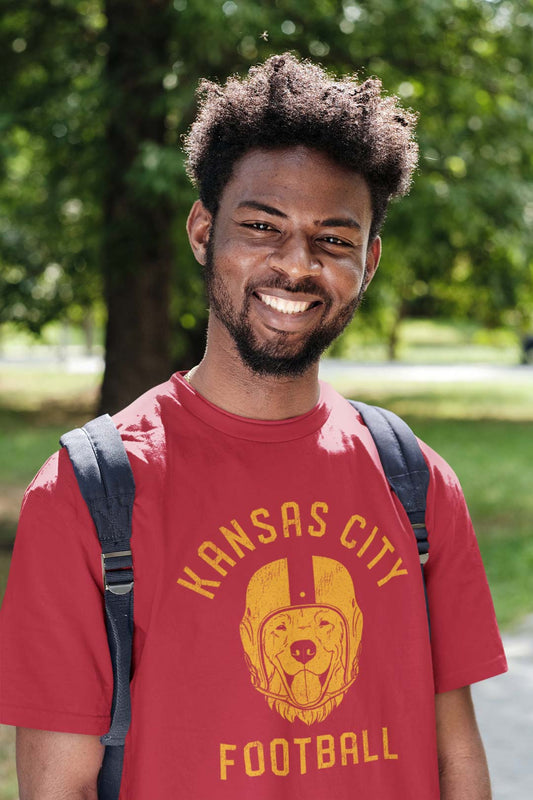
(285, 305)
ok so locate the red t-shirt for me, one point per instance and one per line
(281, 643)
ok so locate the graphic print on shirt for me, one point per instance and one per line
(301, 633)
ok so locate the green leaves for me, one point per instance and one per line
(460, 244)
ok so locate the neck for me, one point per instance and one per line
(223, 379)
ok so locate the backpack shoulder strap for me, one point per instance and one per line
(405, 469)
(106, 484)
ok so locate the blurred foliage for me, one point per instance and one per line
(459, 245)
(51, 125)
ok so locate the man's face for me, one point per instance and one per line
(287, 258)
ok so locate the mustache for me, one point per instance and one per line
(306, 285)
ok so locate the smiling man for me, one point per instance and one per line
(281, 644)
(293, 258)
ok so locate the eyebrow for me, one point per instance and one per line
(339, 222)
(330, 222)
(275, 212)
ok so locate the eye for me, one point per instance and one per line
(323, 623)
(334, 240)
(258, 226)
(281, 627)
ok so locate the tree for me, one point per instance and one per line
(95, 191)
(139, 209)
(50, 211)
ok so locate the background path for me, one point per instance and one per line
(504, 707)
(422, 373)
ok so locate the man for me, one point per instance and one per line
(281, 643)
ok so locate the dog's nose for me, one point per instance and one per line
(303, 650)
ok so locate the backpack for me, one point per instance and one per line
(106, 484)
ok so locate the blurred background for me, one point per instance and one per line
(100, 297)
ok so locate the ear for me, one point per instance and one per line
(198, 229)
(373, 255)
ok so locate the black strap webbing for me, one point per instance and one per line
(106, 483)
(405, 469)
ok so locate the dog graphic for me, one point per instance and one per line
(302, 648)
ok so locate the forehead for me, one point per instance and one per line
(297, 179)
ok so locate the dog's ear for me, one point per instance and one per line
(247, 633)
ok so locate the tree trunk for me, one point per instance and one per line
(87, 324)
(137, 251)
(393, 339)
(137, 335)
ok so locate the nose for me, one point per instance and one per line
(303, 650)
(295, 258)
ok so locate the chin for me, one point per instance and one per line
(280, 361)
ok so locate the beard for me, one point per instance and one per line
(282, 357)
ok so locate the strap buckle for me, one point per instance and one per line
(422, 541)
(115, 570)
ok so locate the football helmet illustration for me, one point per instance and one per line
(301, 633)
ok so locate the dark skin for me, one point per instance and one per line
(272, 221)
(292, 213)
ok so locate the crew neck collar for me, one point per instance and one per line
(258, 430)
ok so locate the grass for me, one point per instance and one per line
(36, 407)
(493, 462)
(433, 342)
(8, 781)
(425, 399)
(484, 431)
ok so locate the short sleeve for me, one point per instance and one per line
(55, 670)
(465, 640)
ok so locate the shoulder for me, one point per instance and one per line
(444, 482)
(143, 425)
(345, 415)
(54, 481)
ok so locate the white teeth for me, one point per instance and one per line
(285, 306)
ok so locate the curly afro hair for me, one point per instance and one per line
(286, 102)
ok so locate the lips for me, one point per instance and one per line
(284, 305)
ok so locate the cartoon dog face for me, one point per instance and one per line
(304, 656)
(302, 649)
